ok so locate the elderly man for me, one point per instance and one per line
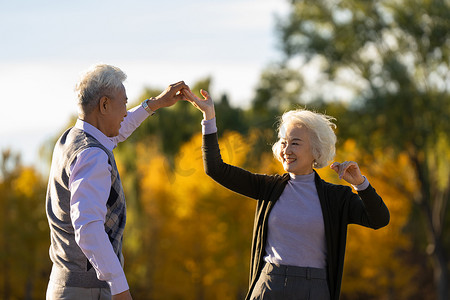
(85, 202)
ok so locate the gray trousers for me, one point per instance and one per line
(56, 291)
(278, 282)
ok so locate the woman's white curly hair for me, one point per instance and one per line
(322, 136)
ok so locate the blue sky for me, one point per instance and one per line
(45, 45)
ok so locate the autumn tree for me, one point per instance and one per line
(192, 238)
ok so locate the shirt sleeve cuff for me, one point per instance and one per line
(362, 186)
(118, 285)
(209, 126)
(140, 112)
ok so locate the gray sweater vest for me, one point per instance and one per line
(70, 265)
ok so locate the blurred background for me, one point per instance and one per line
(380, 67)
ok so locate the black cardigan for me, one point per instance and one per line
(340, 207)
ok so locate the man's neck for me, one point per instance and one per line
(94, 120)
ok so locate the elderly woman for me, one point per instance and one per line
(301, 221)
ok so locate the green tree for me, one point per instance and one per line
(392, 59)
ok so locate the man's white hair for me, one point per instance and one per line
(97, 81)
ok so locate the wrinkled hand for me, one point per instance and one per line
(205, 105)
(171, 95)
(126, 295)
(349, 171)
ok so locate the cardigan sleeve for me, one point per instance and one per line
(234, 178)
(368, 209)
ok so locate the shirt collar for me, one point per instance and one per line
(97, 134)
(303, 178)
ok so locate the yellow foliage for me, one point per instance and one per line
(190, 180)
(25, 185)
(194, 232)
(153, 171)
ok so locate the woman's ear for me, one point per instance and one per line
(103, 104)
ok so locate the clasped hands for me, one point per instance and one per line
(171, 95)
(181, 91)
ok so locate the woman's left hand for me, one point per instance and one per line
(205, 105)
(349, 171)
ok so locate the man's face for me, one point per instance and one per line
(118, 111)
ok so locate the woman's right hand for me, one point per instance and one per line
(205, 105)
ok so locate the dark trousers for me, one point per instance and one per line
(279, 282)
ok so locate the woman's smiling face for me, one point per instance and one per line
(295, 150)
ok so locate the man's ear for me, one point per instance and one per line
(103, 104)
